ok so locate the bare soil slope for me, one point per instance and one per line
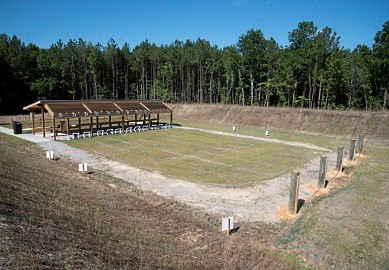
(345, 123)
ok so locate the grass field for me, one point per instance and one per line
(61, 219)
(330, 141)
(200, 157)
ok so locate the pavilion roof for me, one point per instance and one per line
(85, 108)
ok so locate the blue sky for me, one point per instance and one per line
(44, 22)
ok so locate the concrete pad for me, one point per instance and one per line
(27, 137)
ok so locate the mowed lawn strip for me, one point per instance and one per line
(330, 141)
(199, 157)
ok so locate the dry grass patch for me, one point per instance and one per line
(52, 217)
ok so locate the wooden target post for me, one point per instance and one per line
(339, 159)
(294, 192)
(322, 172)
(351, 153)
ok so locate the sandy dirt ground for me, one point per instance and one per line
(260, 202)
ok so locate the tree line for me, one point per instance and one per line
(313, 71)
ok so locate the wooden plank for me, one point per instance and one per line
(86, 107)
(48, 109)
(91, 126)
(33, 122)
(122, 123)
(43, 122)
(54, 129)
(117, 106)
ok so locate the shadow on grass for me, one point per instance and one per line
(234, 230)
(300, 204)
(326, 183)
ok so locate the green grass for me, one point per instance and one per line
(322, 140)
(200, 157)
(348, 227)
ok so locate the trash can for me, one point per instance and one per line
(17, 126)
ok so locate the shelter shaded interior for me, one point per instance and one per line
(66, 109)
(131, 107)
(102, 107)
(156, 106)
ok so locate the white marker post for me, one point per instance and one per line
(233, 128)
(227, 224)
(83, 167)
(267, 133)
(49, 154)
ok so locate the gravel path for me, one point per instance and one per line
(257, 203)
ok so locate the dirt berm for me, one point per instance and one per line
(344, 123)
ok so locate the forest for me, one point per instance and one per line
(313, 71)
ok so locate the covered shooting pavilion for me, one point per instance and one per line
(75, 114)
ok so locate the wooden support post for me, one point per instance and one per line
(79, 125)
(97, 122)
(171, 118)
(351, 153)
(109, 120)
(294, 192)
(68, 125)
(339, 159)
(91, 126)
(144, 119)
(33, 122)
(136, 119)
(149, 120)
(322, 172)
(361, 141)
(122, 123)
(54, 129)
(43, 122)
(157, 118)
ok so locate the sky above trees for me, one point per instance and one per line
(313, 72)
(221, 22)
